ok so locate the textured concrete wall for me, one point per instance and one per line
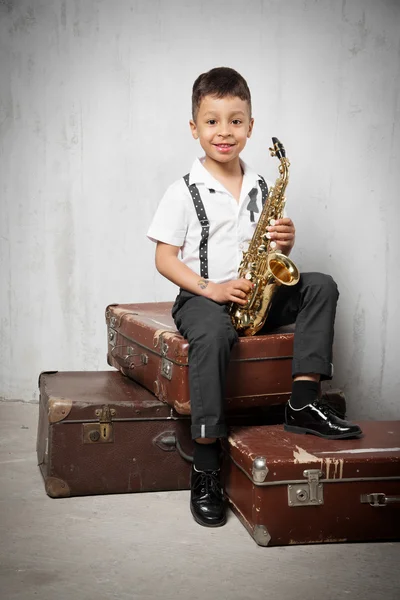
(94, 105)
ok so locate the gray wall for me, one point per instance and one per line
(94, 110)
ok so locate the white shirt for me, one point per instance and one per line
(175, 221)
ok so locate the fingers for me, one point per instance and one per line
(285, 221)
(238, 300)
(243, 284)
(281, 228)
(281, 225)
(282, 231)
(281, 236)
(239, 294)
(238, 291)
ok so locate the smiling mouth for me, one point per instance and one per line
(224, 145)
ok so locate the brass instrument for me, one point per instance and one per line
(266, 269)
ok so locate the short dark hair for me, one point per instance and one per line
(219, 82)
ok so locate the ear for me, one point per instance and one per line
(250, 130)
(193, 129)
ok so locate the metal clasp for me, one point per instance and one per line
(310, 494)
(101, 432)
(166, 368)
(112, 337)
(163, 347)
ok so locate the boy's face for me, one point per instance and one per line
(222, 126)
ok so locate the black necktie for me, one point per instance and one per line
(252, 205)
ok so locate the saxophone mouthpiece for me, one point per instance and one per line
(278, 148)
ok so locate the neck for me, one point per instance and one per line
(229, 169)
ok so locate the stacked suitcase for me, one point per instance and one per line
(129, 431)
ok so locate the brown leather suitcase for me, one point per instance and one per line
(143, 344)
(301, 489)
(101, 433)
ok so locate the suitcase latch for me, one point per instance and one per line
(163, 346)
(166, 365)
(166, 368)
(101, 432)
(307, 494)
(112, 337)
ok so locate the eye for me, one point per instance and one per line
(211, 121)
(237, 122)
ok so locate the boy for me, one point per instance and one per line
(209, 216)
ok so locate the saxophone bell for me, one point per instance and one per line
(283, 269)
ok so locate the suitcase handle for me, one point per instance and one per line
(379, 499)
(128, 360)
(171, 440)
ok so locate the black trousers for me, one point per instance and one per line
(207, 326)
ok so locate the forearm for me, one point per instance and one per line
(176, 271)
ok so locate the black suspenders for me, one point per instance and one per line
(264, 189)
(204, 222)
(205, 226)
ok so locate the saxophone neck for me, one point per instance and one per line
(278, 150)
(282, 181)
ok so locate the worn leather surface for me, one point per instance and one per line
(135, 461)
(259, 372)
(341, 516)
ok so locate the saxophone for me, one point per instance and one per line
(260, 265)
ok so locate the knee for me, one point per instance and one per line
(323, 282)
(214, 331)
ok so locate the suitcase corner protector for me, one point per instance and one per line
(261, 535)
(57, 488)
(58, 409)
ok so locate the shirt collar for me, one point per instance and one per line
(199, 174)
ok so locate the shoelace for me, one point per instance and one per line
(209, 483)
(328, 410)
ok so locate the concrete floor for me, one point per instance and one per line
(147, 546)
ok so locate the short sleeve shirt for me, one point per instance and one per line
(231, 226)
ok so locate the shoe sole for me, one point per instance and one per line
(200, 522)
(304, 430)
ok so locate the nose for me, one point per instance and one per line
(224, 130)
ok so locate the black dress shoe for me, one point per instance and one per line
(207, 500)
(319, 420)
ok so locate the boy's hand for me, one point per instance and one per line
(231, 291)
(282, 232)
